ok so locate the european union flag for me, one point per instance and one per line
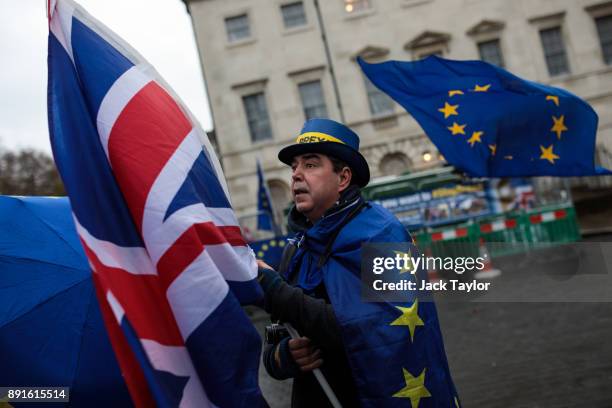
(491, 123)
(265, 218)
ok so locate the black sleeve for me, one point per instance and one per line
(312, 317)
(288, 368)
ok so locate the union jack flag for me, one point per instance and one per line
(152, 211)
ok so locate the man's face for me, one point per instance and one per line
(314, 184)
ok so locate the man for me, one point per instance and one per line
(365, 350)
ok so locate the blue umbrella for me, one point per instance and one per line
(51, 328)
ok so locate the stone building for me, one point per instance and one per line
(270, 64)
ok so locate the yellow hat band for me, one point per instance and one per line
(317, 137)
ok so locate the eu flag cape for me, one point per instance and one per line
(488, 122)
(152, 212)
(395, 350)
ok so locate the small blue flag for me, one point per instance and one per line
(265, 218)
(488, 122)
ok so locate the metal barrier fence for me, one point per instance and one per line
(548, 225)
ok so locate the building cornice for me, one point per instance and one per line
(427, 38)
(486, 26)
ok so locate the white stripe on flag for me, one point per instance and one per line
(237, 263)
(61, 25)
(115, 306)
(196, 293)
(115, 100)
(160, 234)
(166, 186)
(134, 260)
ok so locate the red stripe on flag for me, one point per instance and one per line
(511, 223)
(189, 246)
(486, 228)
(210, 234)
(461, 232)
(130, 368)
(560, 214)
(143, 297)
(144, 137)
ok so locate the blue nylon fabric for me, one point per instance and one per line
(514, 115)
(80, 158)
(51, 330)
(377, 352)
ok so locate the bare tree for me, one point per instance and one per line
(29, 172)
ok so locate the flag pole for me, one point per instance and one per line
(317, 373)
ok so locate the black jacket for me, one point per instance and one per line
(313, 317)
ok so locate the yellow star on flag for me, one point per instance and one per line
(475, 138)
(493, 149)
(547, 154)
(410, 317)
(410, 265)
(559, 126)
(414, 389)
(264, 247)
(553, 98)
(273, 243)
(457, 129)
(449, 110)
(483, 88)
(455, 92)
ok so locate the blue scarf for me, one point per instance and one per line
(312, 240)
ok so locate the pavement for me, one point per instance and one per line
(519, 354)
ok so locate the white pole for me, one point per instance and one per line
(318, 374)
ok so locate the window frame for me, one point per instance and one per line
(252, 133)
(500, 50)
(249, 26)
(322, 105)
(283, 6)
(555, 53)
(606, 59)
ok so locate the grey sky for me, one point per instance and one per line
(159, 29)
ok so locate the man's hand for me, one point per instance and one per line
(305, 355)
(262, 264)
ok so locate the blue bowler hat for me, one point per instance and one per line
(333, 139)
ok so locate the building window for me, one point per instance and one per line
(293, 14)
(490, 51)
(380, 102)
(554, 51)
(351, 6)
(237, 28)
(313, 102)
(394, 164)
(257, 116)
(604, 29)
